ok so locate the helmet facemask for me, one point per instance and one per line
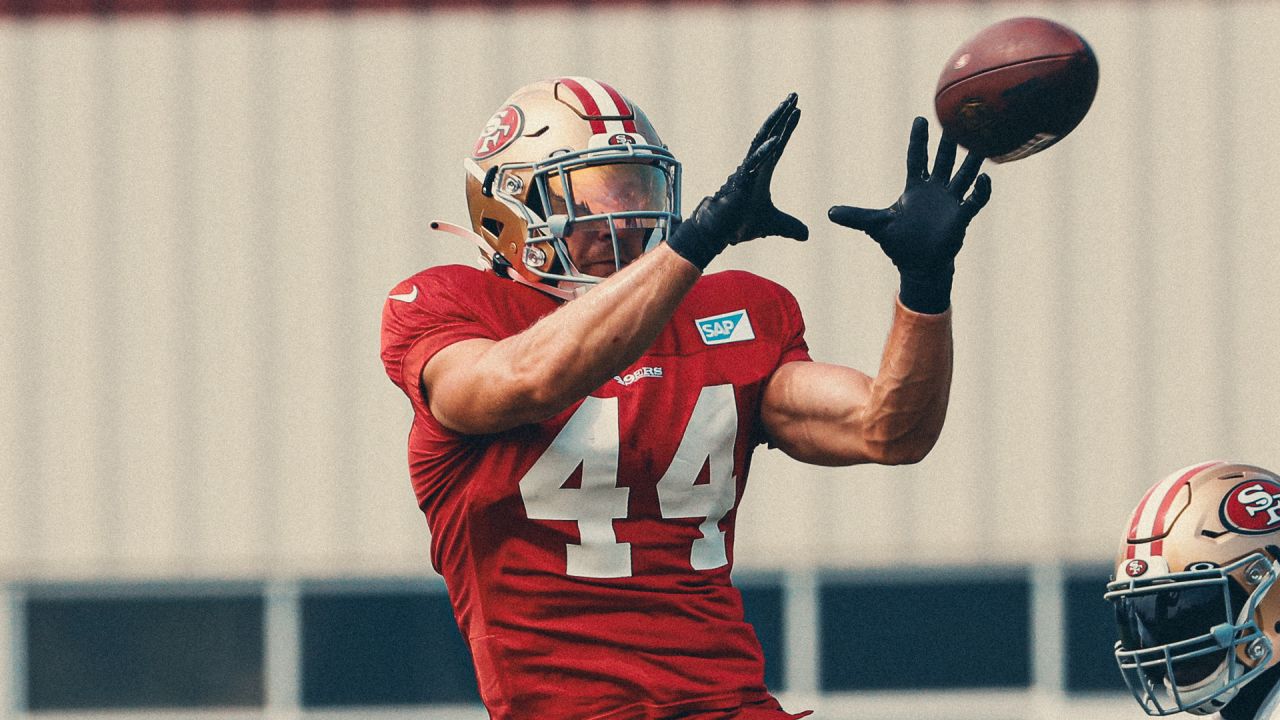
(628, 194)
(1190, 640)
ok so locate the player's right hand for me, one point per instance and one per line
(742, 209)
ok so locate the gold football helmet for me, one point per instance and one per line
(1192, 592)
(561, 156)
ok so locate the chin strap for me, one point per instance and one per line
(487, 262)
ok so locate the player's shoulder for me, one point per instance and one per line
(445, 276)
(446, 284)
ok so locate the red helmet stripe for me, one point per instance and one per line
(1146, 523)
(623, 108)
(588, 102)
(1160, 529)
(1137, 514)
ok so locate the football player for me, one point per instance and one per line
(586, 404)
(1193, 594)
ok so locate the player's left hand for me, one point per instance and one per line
(742, 209)
(923, 231)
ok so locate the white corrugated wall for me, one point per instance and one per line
(200, 218)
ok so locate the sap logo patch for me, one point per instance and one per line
(730, 327)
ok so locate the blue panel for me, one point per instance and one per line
(383, 649)
(763, 609)
(953, 633)
(144, 653)
(1091, 633)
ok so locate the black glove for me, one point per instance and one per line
(742, 209)
(922, 232)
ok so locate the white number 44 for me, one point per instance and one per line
(590, 438)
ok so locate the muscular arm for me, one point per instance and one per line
(482, 386)
(833, 415)
(830, 415)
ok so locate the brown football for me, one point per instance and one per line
(1016, 88)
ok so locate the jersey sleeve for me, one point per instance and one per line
(789, 339)
(792, 343)
(422, 316)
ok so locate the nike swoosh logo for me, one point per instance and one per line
(406, 297)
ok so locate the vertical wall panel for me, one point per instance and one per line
(306, 263)
(72, 301)
(378, 515)
(1101, 252)
(961, 481)
(1248, 167)
(1110, 308)
(1184, 258)
(19, 368)
(937, 504)
(147, 304)
(233, 481)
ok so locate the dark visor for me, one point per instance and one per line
(1162, 617)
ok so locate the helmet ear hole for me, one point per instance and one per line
(492, 226)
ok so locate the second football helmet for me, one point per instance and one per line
(568, 155)
(1193, 593)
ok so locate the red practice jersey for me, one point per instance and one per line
(588, 556)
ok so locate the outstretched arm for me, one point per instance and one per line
(832, 415)
(482, 386)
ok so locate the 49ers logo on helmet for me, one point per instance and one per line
(1136, 567)
(1252, 508)
(503, 128)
